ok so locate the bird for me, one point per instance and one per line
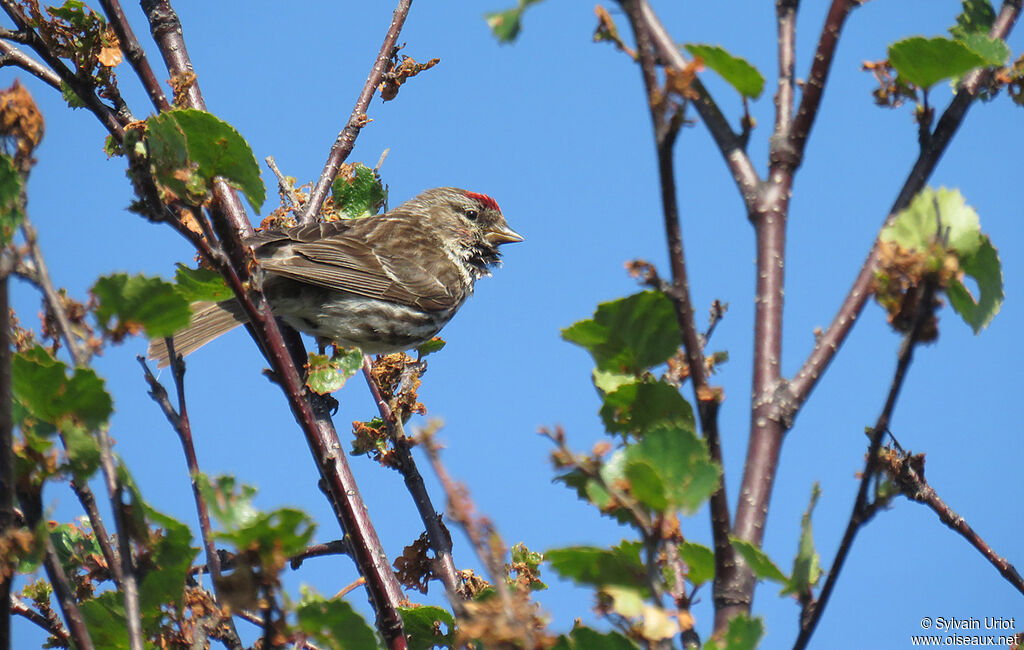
(385, 283)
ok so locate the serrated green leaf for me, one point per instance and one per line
(917, 227)
(334, 624)
(737, 71)
(681, 463)
(40, 383)
(328, 374)
(646, 404)
(744, 633)
(806, 564)
(137, 301)
(190, 148)
(10, 200)
(995, 51)
(926, 61)
(700, 562)
(201, 285)
(984, 266)
(428, 627)
(590, 565)
(170, 557)
(359, 195)
(759, 562)
(976, 18)
(629, 335)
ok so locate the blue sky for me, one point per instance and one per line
(556, 128)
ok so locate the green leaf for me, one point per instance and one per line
(358, 194)
(590, 565)
(984, 266)
(201, 285)
(681, 463)
(83, 452)
(640, 406)
(506, 25)
(435, 344)
(105, 619)
(759, 562)
(10, 200)
(285, 531)
(700, 562)
(585, 638)
(334, 624)
(738, 72)
(428, 627)
(743, 634)
(917, 227)
(140, 302)
(169, 561)
(190, 148)
(629, 335)
(40, 383)
(926, 61)
(328, 374)
(976, 18)
(995, 51)
(806, 564)
(70, 96)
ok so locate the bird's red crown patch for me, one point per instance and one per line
(484, 200)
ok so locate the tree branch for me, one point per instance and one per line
(829, 342)
(14, 56)
(52, 627)
(182, 426)
(134, 53)
(7, 478)
(863, 510)
(106, 115)
(357, 120)
(728, 142)
(907, 472)
(707, 398)
(440, 540)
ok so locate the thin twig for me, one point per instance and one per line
(134, 53)
(728, 142)
(707, 398)
(482, 536)
(284, 184)
(7, 478)
(828, 343)
(40, 276)
(909, 477)
(862, 509)
(342, 146)
(14, 56)
(182, 426)
(106, 115)
(440, 540)
(52, 627)
(32, 507)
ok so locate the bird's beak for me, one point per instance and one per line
(502, 235)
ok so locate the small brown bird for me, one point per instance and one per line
(383, 284)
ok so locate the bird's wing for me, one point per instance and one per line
(366, 259)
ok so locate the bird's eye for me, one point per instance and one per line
(472, 215)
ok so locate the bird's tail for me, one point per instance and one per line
(209, 320)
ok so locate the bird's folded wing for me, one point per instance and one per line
(347, 263)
